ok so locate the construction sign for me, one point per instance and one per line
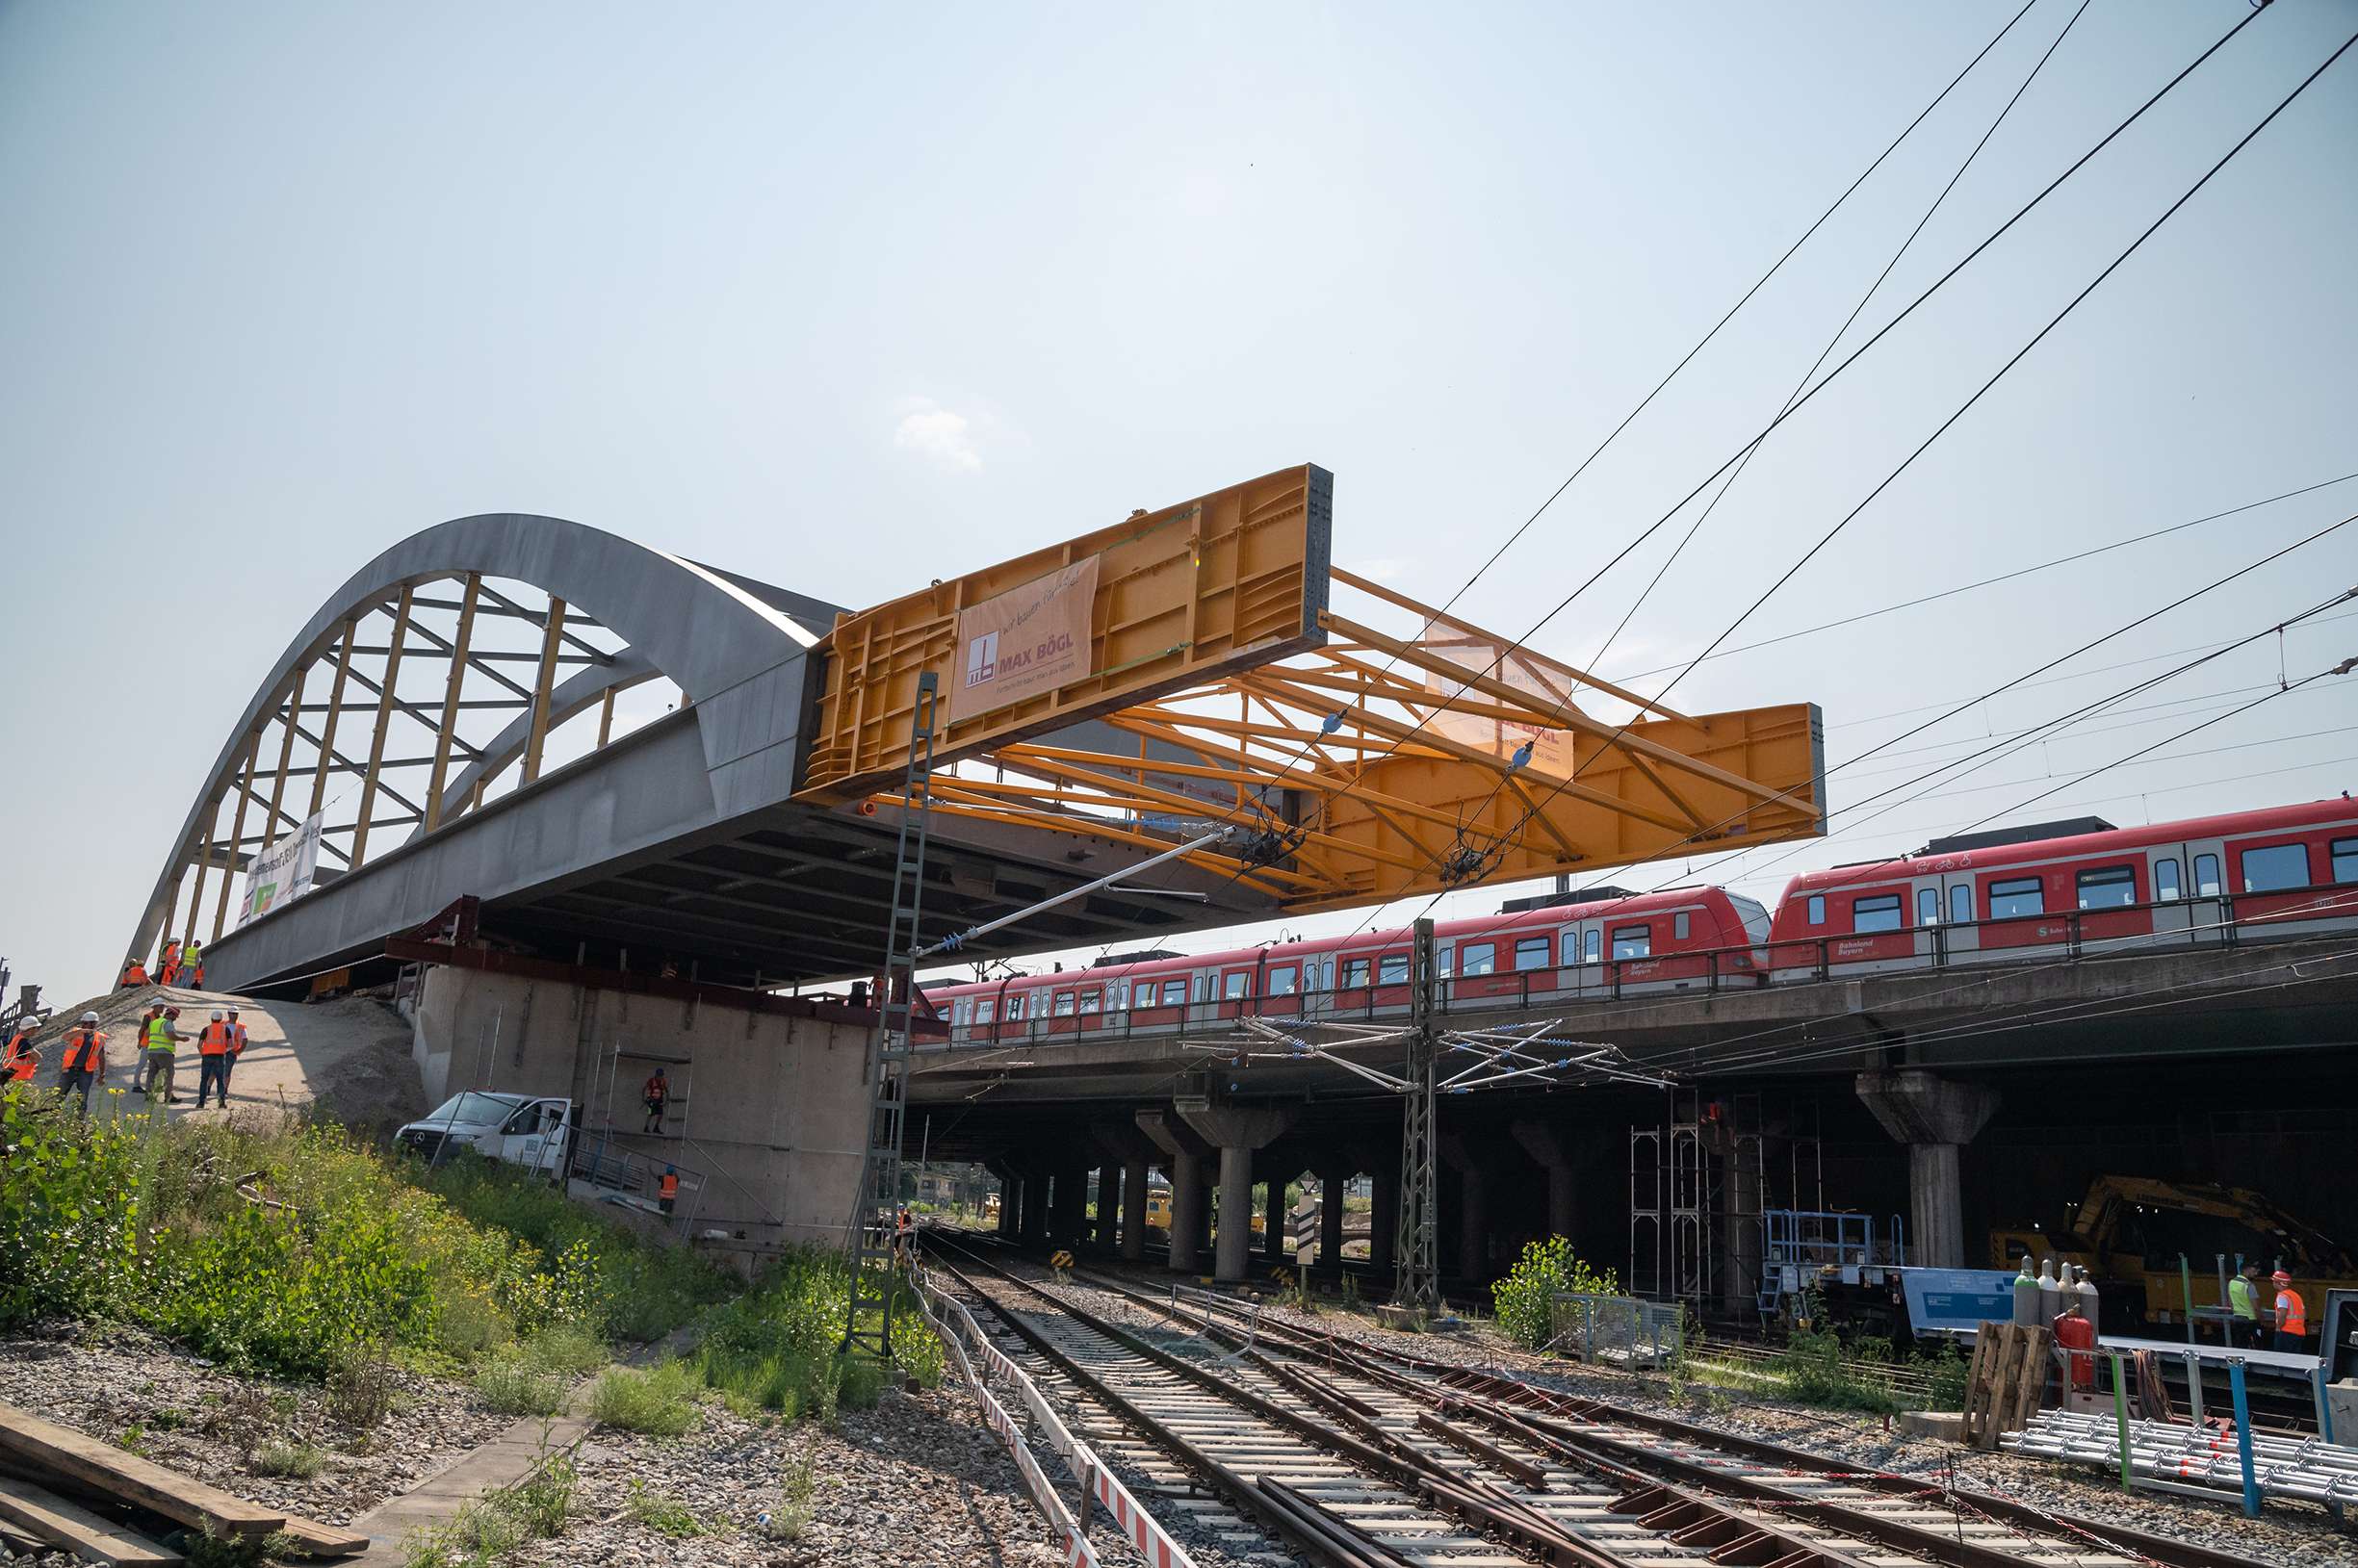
(1026, 642)
(282, 872)
(1551, 750)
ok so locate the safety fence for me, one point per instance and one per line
(1098, 1484)
(1624, 1330)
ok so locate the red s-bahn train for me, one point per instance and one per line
(2021, 893)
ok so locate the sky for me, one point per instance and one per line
(845, 299)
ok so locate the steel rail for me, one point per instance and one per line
(1437, 1382)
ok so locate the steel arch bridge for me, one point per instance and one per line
(636, 760)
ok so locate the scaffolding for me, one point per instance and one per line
(1701, 1185)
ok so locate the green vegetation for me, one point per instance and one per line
(774, 1347)
(512, 1387)
(662, 1513)
(659, 1401)
(494, 1526)
(1525, 1300)
(287, 1457)
(301, 1249)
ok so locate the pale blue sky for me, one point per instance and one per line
(848, 298)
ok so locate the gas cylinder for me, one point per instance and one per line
(2026, 1296)
(2050, 1292)
(2087, 1288)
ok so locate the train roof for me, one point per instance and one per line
(2074, 845)
(1366, 941)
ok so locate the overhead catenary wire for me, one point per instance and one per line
(1855, 354)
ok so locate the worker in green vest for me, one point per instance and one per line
(2243, 1303)
(159, 1036)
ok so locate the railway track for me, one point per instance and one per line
(1361, 1457)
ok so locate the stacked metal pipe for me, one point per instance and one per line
(2285, 1465)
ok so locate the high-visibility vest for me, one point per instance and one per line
(85, 1050)
(659, 1089)
(132, 975)
(237, 1038)
(2292, 1314)
(2239, 1298)
(213, 1040)
(670, 1186)
(192, 955)
(19, 1060)
(158, 1034)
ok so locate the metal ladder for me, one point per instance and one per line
(870, 1244)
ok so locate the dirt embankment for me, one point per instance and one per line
(347, 1059)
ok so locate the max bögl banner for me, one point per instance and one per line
(1024, 642)
(283, 871)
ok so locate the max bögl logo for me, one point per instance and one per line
(982, 660)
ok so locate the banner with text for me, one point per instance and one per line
(283, 871)
(1024, 642)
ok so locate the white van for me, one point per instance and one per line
(514, 1129)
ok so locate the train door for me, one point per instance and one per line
(1961, 931)
(1584, 956)
(1236, 991)
(2165, 869)
(2205, 892)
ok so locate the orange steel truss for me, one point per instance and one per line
(1375, 766)
(1223, 583)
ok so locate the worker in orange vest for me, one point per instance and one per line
(237, 1048)
(134, 973)
(667, 1191)
(2292, 1314)
(167, 967)
(83, 1062)
(657, 1094)
(18, 1060)
(192, 965)
(213, 1060)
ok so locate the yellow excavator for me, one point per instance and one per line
(2129, 1232)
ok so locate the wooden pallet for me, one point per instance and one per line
(2007, 1381)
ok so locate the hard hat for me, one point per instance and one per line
(217, 1014)
(2281, 1277)
(88, 1017)
(233, 1010)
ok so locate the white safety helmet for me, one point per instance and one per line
(217, 1014)
(89, 1017)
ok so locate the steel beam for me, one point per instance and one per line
(237, 833)
(326, 742)
(544, 685)
(450, 701)
(385, 702)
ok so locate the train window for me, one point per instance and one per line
(1632, 941)
(1880, 913)
(1444, 960)
(1392, 969)
(1354, 973)
(1927, 906)
(960, 1011)
(1478, 958)
(1236, 985)
(1015, 1007)
(983, 1010)
(2278, 865)
(1816, 909)
(1531, 952)
(1204, 985)
(1117, 997)
(2024, 895)
(2166, 880)
(1281, 981)
(1174, 992)
(2345, 859)
(2206, 876)
(1326, 974)
(1064, 1004)
(2107, 888)
(1680, 926)
(1593, 947)
(1091, 1002)
(1961, 904)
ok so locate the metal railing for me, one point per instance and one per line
(1624, 1330)
(2220, 920)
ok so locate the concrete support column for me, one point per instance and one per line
(1276, 1222)
(1108, 1204)
(1134, 1210)
(1331, 1185)
(1071, 1205)
(1184, 1151)
(1236, 1131)
(1383, 1220)
(1936, 1118)
(1035, 1207)
(1551, 1148)
(1473, 1223)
